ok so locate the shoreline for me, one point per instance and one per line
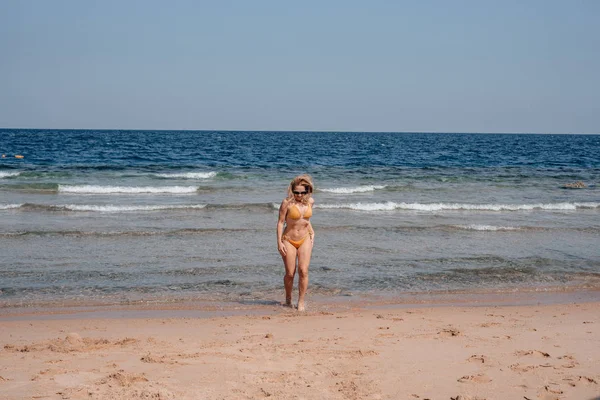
(316, 303)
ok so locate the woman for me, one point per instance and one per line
(295, 243)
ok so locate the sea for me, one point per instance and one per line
(113, 217)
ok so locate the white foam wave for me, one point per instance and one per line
(356, 189)
(389, 206)
(93, 189)
(475, 227)
(587, 205)
(5, 174)
(189, 175)
(9, 206)
(113, 208)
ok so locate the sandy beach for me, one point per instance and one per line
(387, 352)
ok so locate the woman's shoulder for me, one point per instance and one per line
(285, 203)
(311, 201)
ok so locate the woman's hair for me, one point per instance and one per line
(302, 180)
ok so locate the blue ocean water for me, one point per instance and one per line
(112, 217)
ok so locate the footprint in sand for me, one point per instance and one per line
(150, 359)
(73, 342)
(477, 358)
(553, 389)
(449, 332)
(522, 353)
(479, 378)
(571, 361)
(489, 324)
(123, 378)
(524, 368)
(520, 368)
(575, 380)
(588, 380)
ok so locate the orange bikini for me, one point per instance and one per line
(295, 243)
(294, 213)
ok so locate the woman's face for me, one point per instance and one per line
(299, 192)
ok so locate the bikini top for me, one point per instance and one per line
(294, 212)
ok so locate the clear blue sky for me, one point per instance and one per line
(434, 66)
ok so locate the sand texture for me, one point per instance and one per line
(462, 353)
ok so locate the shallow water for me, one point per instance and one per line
(120, 216)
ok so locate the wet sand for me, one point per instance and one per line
(549, 351)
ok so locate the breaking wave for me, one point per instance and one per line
(356, 189)
(133, 207)
(4, 174)
(94, 189)
(188, 175)
(113, 208)
(9, 206)
(476, 227)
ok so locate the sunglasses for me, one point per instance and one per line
(299, 193)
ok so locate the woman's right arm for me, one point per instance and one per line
(280, 222)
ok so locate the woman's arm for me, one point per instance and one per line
(280, 222)
(311, 231)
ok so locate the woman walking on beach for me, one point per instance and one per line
(295, 243)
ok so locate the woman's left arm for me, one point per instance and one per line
(311, 231)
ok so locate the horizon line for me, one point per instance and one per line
(298, 131)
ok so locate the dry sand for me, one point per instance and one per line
(502, 352)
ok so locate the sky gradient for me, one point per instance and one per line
(418, 66)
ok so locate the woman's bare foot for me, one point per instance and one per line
(288, 302)
(301, 307)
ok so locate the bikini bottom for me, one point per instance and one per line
(295, 243)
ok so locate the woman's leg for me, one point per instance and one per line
(304, 254)
(289, 261)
